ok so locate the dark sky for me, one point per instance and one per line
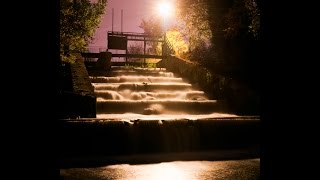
(133, 12)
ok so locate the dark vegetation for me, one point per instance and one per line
(79, 20)
(233, 30)
(235, 25)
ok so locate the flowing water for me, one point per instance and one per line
(150, 93)
(176, 119)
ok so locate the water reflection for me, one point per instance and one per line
(177, 170)
(161, 171)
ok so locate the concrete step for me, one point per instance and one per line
(85, 137)
(157, 106)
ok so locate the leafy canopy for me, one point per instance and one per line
(79, 20)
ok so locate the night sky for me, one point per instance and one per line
(133, 12)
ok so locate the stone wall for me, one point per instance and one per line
(201, 78)
(80, 102)
(233, 95)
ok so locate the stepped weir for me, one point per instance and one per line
(142, 93)
(151, 115)
(152, 111)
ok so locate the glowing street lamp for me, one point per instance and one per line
(165, 10)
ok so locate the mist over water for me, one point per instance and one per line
(134, 78)
(142, 93)
(172, 116)
(128, 94)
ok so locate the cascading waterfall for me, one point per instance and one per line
(142, 111)
(150, 93)
(150, 116)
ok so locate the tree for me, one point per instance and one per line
(218, 22)
(235, 25)
(152, 27)
(135, 48)
(223, 35)
(242, 18)
(178, 42)
(193, 16)
(79, 20)
(194, 22)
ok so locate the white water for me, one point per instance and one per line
(160, 95)
(138, 93)
(139, 72)
(134, 78)
(132, 116)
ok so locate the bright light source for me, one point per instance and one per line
(165, 8)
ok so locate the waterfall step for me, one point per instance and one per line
(167, 117)
(124, 68)
(135, 79)
(157, 106)
(143, 86)
(161, 95)
(149, 91)
(132, 73)
(109, 137)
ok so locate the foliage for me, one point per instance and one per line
(194, 22)
(254, 16)
(150, 65)
(135, 48)
(222, 35)
(206, 21)
(152, 27)
(194, 25)
(129, 66)
(243, 17)
(178, 42)
(174, 36)
(78, 22)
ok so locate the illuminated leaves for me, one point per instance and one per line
(178, 42)
(78, 22)
(194, 22)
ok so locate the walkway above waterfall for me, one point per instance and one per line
(118, 43)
